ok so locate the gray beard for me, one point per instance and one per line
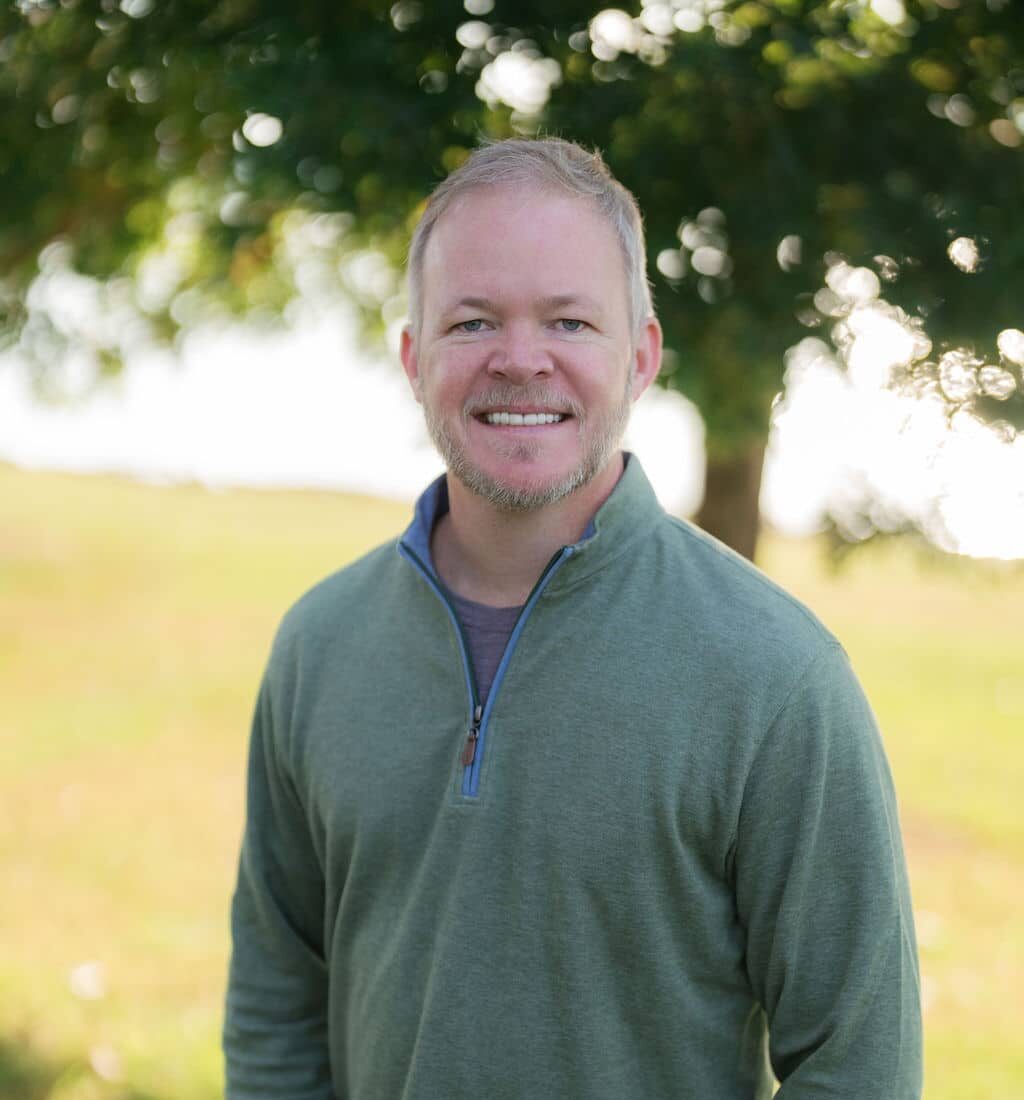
(602, 445)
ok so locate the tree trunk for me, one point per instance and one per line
(730, 510)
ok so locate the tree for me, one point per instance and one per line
(794, 159)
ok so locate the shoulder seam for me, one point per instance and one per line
(694, 533)
(831, 646)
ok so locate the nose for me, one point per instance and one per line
(520, 356)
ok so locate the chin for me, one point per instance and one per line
(520, 494)
(525, 477)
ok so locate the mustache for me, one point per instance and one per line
(509, 397)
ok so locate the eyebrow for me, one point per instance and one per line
(472, 303)
(554, 301)
(560, 301)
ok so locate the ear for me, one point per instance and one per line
(410, 360)
(646, 356)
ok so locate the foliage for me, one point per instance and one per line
(803, 165)
(815, 138)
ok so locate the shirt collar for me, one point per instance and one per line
(629, 512)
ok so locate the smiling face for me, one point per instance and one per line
(525, 361)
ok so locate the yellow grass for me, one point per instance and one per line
(134, 622)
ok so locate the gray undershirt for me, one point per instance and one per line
(487, 631)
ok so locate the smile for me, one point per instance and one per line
(527, 420)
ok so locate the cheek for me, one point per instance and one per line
(461, 358)
(453, 372)
(596, 376)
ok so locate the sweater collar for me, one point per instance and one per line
(628, 513)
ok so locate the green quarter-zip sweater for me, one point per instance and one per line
(665, 855)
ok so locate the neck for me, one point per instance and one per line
(495, 557)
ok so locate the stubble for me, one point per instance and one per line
(600, 441)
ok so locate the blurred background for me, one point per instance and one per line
(205, 213)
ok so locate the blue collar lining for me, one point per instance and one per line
(433, 503)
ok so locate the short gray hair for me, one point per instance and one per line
(543, 162)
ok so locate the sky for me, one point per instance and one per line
(303, 408)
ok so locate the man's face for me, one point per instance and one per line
(525, 362)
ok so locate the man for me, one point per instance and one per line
(558, 797)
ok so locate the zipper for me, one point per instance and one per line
(469, 752)
(471, 778)
(475, 709)
(471, 756)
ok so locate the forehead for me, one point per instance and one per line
(510, 242)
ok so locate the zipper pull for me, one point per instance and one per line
(469, 750)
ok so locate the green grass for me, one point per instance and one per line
(134, 622)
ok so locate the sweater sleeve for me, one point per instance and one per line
(275, 1029)
(822, 892)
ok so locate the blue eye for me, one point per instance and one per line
(570, 324)
(475, 325)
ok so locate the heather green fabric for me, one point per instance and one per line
(684, 855)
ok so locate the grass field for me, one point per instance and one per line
(134, 622)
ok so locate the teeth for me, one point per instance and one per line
(523, 420)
